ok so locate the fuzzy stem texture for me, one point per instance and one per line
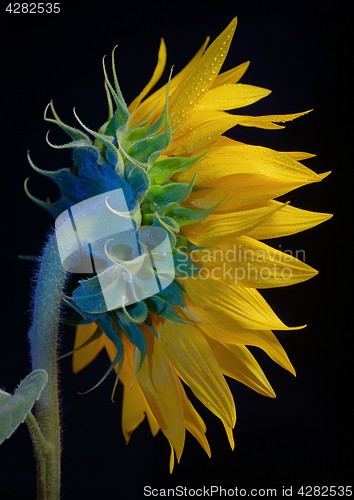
(43, 338)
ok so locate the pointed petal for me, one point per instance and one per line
(229, 157)
(237, 362)
(244, 305)
(134, 405)
(194, 423)
(160, 386)
(242, 190)
(230, 435)
(197, 366)
(200, 130)
(156, 100)
(231, 76)
(288, 220)
(269, 121)
(219, 228)
(218, 326)
(87, 354)
(190, 91)
(251, 263)
(154, 426)
(160, 66)
(232, 96)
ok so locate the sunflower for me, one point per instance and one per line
(215, 197)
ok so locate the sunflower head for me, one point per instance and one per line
(189, 198)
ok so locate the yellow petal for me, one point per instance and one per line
(194, 423)
(288, 220)
(230, 435)
(153, 424)
(216, 229)
(232, 96)
(244, 305)
(193, 359)
(251, 263)
(160, 66)
(134, 405)
(87, 354)
(156, 100)
(298, 155)
(237, 362)
(160, 385)
(241, 190)
(191, 89)
(200, 130)
(229, 157)
(232, 75)
(269, 121)
(172, 459)
(218, 326)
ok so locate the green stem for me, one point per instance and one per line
(41, 451)
(43, 342)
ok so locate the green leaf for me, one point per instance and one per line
(14, 409)
(164, 168)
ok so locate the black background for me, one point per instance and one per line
(299, 50)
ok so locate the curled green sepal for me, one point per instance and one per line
(80, 317)
(134, 313)
(71, 187)
(164, 168)
(161, 199)
(121, 115)
(96, 335)
(111, 152)
(184, 215)
(113, 333)
(173, 295)
(148, 323)
(88, 296)
(74, 133)
(144, 145)
(14, 409)
(136, 336)
(138, 181)
(55, 208)
(184, 264)
(161, 308)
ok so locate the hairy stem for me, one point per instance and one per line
(43, 347)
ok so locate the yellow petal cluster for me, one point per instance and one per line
(224, 316)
